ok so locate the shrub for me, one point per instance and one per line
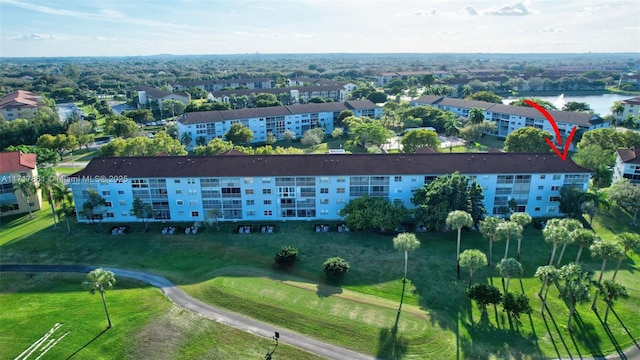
(484, 294)
(286, 257)
(516, 304)
(335, 268)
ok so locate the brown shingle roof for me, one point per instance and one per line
(14, 161)
(630, 156)
(328, 164)
(19, 98)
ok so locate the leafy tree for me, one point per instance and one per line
(577, 279)
(65, 213)
(472, 133)
(577, 107)
(417, 139)
(571, 200)
(488, 229)
(527, 139)
(335, 268)
(48, 181)
(344, 114)
(337, 133)
(60, 143)
(141, 116)
(100, 280)
(584, 237)
(516, 304)
(545, 104)
(215, 147)
(125, 128)
(79, 128)
(547, 274)
(372, 212)
(377, 97)
(213, 215)
(487, 96)
(395, 86)
(286, 257)
(27, 188)
(368, 132)
(484, 295)
(239, 134)
(406, 242)
(594, 201)
(44, 156)
(472, 259)
(458, 219)
(202, 140)
(266, 100)
(92, 209)
(508, 268)
(270, 139)
(604, 249)
(142, 211)
(312, 137)
(173, 107)
(523, 219)
(611, 291)
(627, 197)
(554, 233)
(630, 243)
(288, 135)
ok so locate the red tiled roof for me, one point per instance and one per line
(15, 161)
(328, 164)
(19, 98)
(630, 156)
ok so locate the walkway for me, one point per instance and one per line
(183, 300)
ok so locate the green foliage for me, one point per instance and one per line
(239, 134)
(365, 131)
(161, 144)
(368, 212)
(627, 197)
(484, 295)
(527, 139)
(429, 115)
(43, 155)
(487, 96)
(472, 259)
(577, 107)
(93, 209)
(516, 304)
(270, 139)
(377, 97)
(266, 100)
(142, 211)
(286, 257)
(312, 137)
(545, 104)
(140, 116)
(416, 139)
(335, 268)
(125, 128)
(571, 200)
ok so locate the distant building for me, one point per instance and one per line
(15, 166)
(148, 94)
(627, 165)
(274, 119)
(631, 107)
(219, 84)
(20, 104)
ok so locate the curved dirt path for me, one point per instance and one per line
(183, 300)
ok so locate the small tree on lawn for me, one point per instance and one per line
(458, 219)
(630, 243)
(484, 294)
(577, 279)
(584, 237)
(335, 268)
(473, 259)
(286, 257)
(488, 228)
(572, 225)
(100, 280)
(509, 230)
(27, 188)
(547, 274)
(516, 305)
(604, 249)
(406, 242)
(611, 291)
(508, 268)
(93, 209)
(142, 211)
(523, 219)
(554, 233)
(212, 216)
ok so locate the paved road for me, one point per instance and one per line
(181, 299)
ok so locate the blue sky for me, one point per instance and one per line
(138, 27)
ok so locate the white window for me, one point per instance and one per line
(556, 177)
(552, 209)
(267, 202)
(341, 179)
(324, 201)
(191, 181)
(248, 191)
(193, 191)
(555, 188)
(193, 202)
(248, 180)
(266, 180)
(324, 212)
(397, 178)
(251, 213)
(176, 181)
(106, 193)
(266, 191)
(340, 190)
(340, 201)
(324, 179)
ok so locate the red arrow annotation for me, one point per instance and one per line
(565, 149)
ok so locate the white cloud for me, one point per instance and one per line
(34, 36)
(553, 30)
(513, 9)
(432, 12)
(471, 10)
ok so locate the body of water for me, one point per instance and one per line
(601, 104)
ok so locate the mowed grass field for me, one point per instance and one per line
(235, 271)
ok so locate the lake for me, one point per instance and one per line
(601, 104)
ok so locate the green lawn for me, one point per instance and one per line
(437, 319)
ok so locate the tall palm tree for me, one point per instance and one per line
(27, 188)
(458, 219)
(576, 289)
(100, 280)
(594, 201)
(488, 228)
(186, 138)
(554, 232)
(547, 275)
(611, 291)
(571, 225)
(508, 268)
(476, 115)
(584, 237)
(473, 259)
(406, 242)
(629, 242)
(509, 230)
(48, 180)
(617, 109)
(604, 249)
(523, 219)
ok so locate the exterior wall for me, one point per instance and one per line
(15, 199)
(628, 171)
(630, 108)
(18, 112)
(306, 198)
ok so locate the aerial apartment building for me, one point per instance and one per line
(16, 166)
(275, 119)
(627, 165)
(312, 186)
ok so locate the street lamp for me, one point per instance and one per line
(275, 337)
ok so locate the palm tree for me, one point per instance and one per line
(48, 181)
(406, 242)
(66, 212)
(571, 225)
(473, 259)
(523, 219)
(100, 280)
(630, 243)
(458, 219)
(611, 291)
(27, 188)
(593, 202)
(584, 237)
(488, 228)
(617, 109)
(509, 230)
(509, 267)
(547, 274)
(604, 249)
(186, 138)
(576, 289)
(554, 232)
(476, 115)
